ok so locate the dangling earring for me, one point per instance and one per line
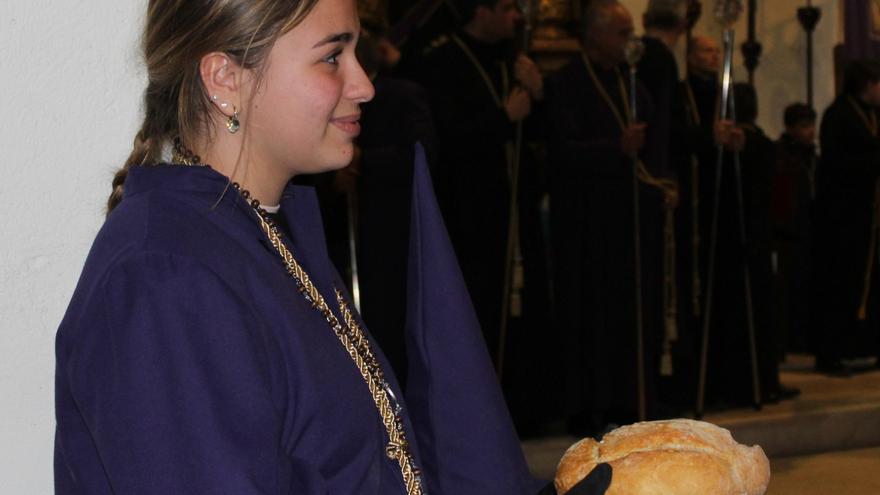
(232, 123)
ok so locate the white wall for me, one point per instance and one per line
(780, 76)
(69, 103)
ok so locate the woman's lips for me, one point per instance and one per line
(349, 123)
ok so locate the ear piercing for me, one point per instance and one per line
(232, 123)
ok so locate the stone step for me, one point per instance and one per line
(811, 432)
(831, 414)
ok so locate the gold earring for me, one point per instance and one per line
(232, 123)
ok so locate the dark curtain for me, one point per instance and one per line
(862, 29)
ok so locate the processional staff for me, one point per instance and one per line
(634, 51)
(694, 10)
(727, 12)
(511, 301)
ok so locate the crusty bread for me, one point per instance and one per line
(674, 457)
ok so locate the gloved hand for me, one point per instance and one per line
(595, 483)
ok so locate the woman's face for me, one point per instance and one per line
(305, 115)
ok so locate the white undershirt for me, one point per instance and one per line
(271, 209)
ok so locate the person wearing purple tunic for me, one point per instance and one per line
(209, 346)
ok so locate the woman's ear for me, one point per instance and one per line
(222, 78)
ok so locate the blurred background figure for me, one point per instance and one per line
(665, 23)
(846, 295)
(758, 160)
(791, 210)
(481, 88)
(592, 146)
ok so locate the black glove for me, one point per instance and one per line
(595, 483)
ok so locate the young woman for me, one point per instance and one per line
(208, 347)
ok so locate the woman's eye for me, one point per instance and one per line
(333, 57)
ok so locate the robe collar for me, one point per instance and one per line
(211, 190)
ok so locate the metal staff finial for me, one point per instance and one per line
(633, 52)
(727, 12)
(529, 12)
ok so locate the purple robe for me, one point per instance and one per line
(187, 362)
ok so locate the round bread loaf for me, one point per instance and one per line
(674, 457)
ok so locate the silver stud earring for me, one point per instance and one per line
(224, 105)
(215, 98)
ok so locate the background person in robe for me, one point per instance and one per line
(845, 198)
(791, 210)
(591, 159)
(728, 340)
(480, 89)
(665, 23)
(702, 95)
(757, 159)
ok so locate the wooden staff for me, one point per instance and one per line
(693, 15)
(513, 275)
(862, 313)
(696, 280)
(670, 293)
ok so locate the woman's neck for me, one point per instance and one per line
(229, 157)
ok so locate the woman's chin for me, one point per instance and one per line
(329, 159)
(341, 160)
(346, 155)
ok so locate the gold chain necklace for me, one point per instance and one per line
(349, 333)
(359, 349)
(606, 97)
